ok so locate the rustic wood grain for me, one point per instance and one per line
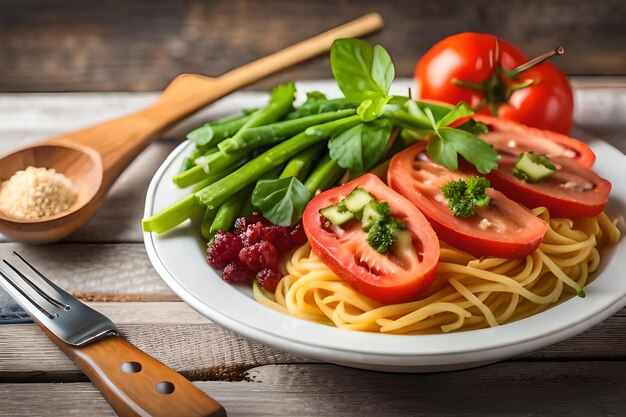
(117, 45)
(95, 268)
(200, 349)
(555, 389)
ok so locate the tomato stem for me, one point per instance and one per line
(495, 89)
(517, 71)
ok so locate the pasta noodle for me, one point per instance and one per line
(467, 294)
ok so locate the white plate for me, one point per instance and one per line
(179, 257)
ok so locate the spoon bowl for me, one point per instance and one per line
(94, 157)
(82, 165)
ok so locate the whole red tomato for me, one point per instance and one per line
(475, 68)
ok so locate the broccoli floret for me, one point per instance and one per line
(466, 197)
(382, 234)
(381, 207)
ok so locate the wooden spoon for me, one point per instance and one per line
(94, 157)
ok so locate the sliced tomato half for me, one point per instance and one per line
(514, 138)
(572, 191)
(393, 277)
(502, 229)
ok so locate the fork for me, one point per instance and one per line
(134, 383)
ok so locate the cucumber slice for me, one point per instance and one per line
(533, 167)
(373, 212)
(337, 214)
(357, 200)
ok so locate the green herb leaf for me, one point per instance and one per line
(443, 152)
(370, 110)
(476, 151)
(359, 148)
(281, 201)
(362, 71)
(474, 127)
(459, 111)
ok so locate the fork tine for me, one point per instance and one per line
(35, 287)
(42, 276)
(24, 294)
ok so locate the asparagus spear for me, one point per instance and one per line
(207, 221)
(212, 133)
(276, 132)
(322, 105)
(231, 209)
(220, 191)
(326, 173)
(171, 216)
(213, 166)
(299, 165)
(227, 212)
(280, 103)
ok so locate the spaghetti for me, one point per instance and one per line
(468, 293)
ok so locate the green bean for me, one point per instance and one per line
(215, 163)
(280, 103)
(207, 221)
(212, 133)
(220, 191)
(276, 132)
(299, 165)
(228, 212)
(171, 216)
(319, 106)
(325, 175)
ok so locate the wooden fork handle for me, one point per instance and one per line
(136, 384)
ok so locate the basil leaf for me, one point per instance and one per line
(459, 111)
(361, 71)
(476, 151)
(361, 147)
(281, 201)
(383, 71)
(370, 110)
(443, 152)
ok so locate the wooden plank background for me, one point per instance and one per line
(117, 45)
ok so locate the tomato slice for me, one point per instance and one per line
(394, 277)
(572, 191)
(502, 229)
(515, 138)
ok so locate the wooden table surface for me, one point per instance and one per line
(106, 262)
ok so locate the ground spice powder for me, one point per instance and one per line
(36, 192)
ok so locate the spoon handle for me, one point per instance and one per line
(119, 141)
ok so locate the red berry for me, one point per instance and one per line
(269, 278)
(259, 256)
(235, 271)
(242, 223)
(278, 236)
(224, 248)
(298, 237)
(253, 234)
(240, 226)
